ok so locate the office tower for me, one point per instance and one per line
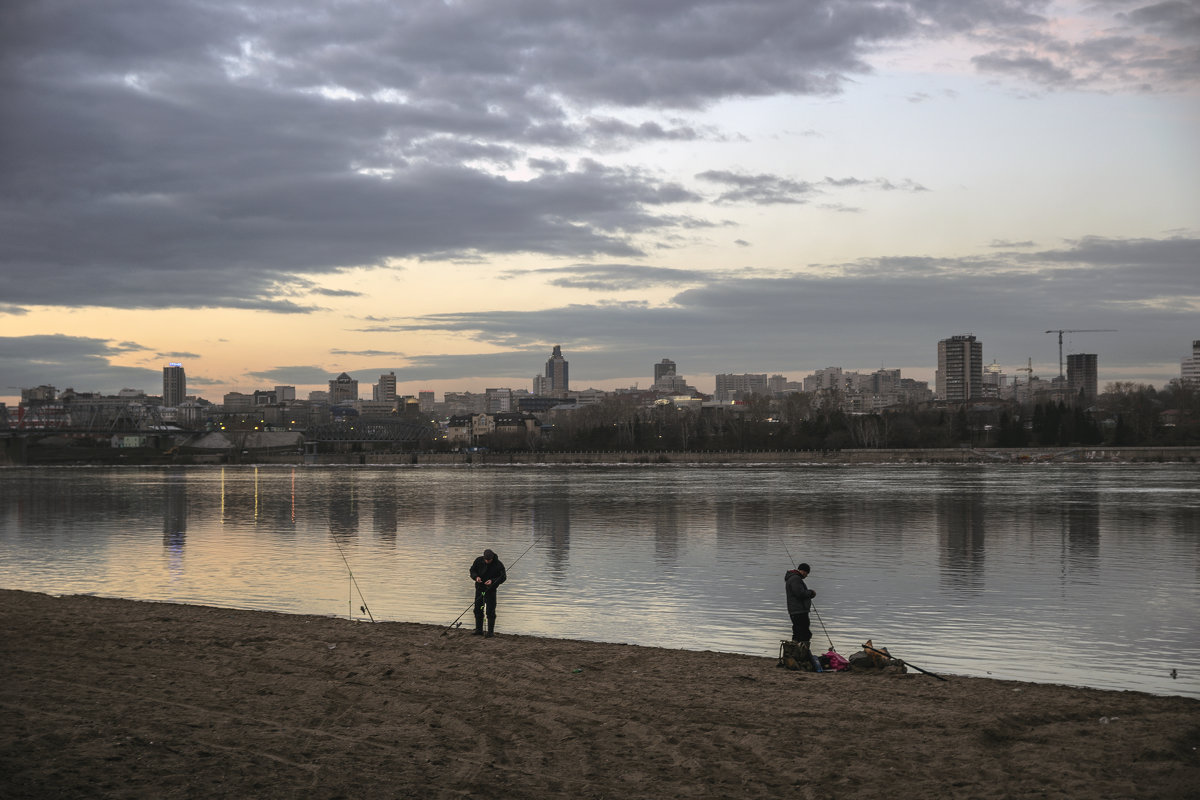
(662, 369)
(556, 384)
(342, 388)
(285, 394)
(174, 384)
(1189, 368)
(1081, 378)
(385, 390)
(425, 400)
(960, 369)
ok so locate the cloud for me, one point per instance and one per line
(298, 374)
(77, 362)
(748, 322)
(729, 323)
(615, 277)
(758, 189)
(211, 154)
(1129, 46)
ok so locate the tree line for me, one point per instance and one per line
(1124, 414)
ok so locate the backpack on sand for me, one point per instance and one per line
(796, 655)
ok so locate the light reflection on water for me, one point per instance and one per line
(1073, 574)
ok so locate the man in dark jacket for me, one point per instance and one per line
(799, 602)
(488, 573)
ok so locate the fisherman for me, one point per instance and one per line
(488, 573)
(799, 602)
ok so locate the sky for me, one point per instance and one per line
(277, 192)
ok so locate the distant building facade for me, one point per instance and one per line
(557, 378)
(174, 384)
(1082, 378)
(730, 387)
(385, 390)
(662, 369)
(343, 388)
(1189, 368)
(959, 376)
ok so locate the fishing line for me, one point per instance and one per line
(818, 613)
(353, 580)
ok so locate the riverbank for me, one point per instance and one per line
(116, 698)
(29, 451)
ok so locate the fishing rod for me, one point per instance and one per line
(353, 580)
(456, 623)
(902, 661)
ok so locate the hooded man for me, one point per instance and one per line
(799, 602)
(488, 573)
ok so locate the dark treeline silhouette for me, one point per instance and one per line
(1125, 414)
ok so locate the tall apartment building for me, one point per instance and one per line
(737, 387)
(174, 384)
(1082, 378)
(825, 379)
(425, 400)
(342, 388)
(1189, 368)
(385, 390)
(557, 382)
(959, 376)
(662, 369)
(995, 382)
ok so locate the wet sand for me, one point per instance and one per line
(122, 699)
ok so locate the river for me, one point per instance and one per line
(1062, 573)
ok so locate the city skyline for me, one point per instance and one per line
(272, 194)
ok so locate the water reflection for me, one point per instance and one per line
(960, 527)
(1106, 559)
(1081, 557)
(552, 531)
(342, 502)
(174, 517)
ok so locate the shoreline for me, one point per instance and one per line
(12, 456)
(108, 697)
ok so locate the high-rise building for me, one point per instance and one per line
(1189, 368)
(385, 390)
(174, 384)
(994, 381)
(1082, 378)
(959, 375)
(342, 388)
(557, 382)
(662, 369)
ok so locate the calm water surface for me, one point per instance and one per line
(1074, 574)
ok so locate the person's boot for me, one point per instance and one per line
(491, 627)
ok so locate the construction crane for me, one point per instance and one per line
(1061, 331)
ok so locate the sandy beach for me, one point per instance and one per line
(122, 699)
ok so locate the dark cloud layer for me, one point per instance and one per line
(728, 323)
(846, 316)
(205, 154)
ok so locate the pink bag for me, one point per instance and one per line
(836, 662)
